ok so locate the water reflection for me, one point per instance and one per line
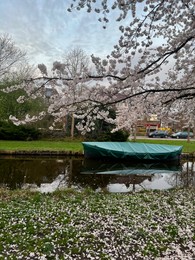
(120, 177)
(47, 174)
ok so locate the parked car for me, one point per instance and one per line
(182, 135)
(159, 133)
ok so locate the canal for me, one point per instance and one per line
(46, 174)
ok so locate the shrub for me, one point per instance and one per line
(119, 136)
(9, 131)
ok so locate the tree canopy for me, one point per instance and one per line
(151, 69)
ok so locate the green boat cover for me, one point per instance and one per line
(131, 151)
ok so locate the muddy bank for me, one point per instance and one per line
(67, 153)
(41, 153)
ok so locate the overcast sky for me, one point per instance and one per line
(45, 30)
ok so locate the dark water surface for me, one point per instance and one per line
(46, 174)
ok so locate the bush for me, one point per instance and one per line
(119, 136)
(9, 131)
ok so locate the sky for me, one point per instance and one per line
(46, 30)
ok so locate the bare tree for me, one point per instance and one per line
(11, 57)
(76, 63)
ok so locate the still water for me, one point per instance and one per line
(46, 174)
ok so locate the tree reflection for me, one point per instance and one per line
(15, 172)
(187, 176)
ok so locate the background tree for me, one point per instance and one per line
(10, 56)
(14, 88)
(10, 106)
(75, 66)
(14, 68)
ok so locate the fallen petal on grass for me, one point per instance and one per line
(89, 225)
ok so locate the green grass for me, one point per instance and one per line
(89, 225)
(76, 146)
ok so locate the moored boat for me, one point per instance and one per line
(131, 151)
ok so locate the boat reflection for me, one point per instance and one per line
(99, 167)
(124, 177)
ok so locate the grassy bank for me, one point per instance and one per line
(76, 146)
(87, 225)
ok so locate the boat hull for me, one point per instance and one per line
(131, 151)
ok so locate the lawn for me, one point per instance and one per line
(76, 146)
(87, 225)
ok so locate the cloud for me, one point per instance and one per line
(45, 30)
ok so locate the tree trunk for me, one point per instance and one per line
(188, 133)
(72, 126)
(134, 132)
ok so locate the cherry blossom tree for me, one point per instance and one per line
(153, 65)
(155, 52)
